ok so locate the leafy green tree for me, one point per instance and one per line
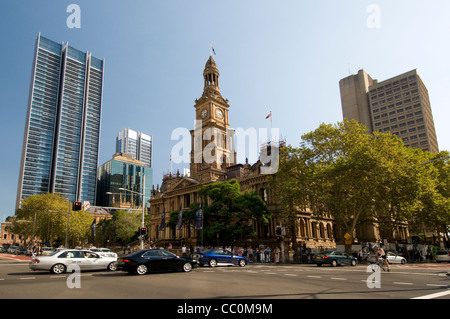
(45, 217)
(126, 226)
(229, 215)
(434, 214)
(356, 178)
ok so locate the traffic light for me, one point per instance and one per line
(279, 238)
(143, 231)
(278, 231)
(77, 206)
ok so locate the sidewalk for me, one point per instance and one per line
(15, 257)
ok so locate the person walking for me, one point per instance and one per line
(291, 255)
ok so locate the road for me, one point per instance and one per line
(256, 281)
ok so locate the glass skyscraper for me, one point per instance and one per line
(135, 143)
(123, 171)
(62, 128)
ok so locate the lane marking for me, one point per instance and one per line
(435, 295)
(335, 278)
(402, 283)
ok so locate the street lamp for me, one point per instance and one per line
(437, 159)
(141, 237)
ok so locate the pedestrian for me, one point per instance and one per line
(261, 255)
(183, 250)
(250, 254)
(267, 254)
(291, 255)
(277, 255)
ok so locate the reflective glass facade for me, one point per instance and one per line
(62, 128)
(121, 173)
(135, 143)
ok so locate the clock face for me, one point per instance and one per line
(219, 113)
(204, 113)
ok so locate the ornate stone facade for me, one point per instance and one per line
(213, 159)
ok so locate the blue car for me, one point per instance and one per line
(219, 256)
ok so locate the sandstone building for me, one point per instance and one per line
(218, 163)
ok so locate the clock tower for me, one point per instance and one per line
(212, 140)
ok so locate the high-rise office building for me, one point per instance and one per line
(123, 171)
(62, 128)
(135, 143)
(399, 105)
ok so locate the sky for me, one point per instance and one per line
(284, 57)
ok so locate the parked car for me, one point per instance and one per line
(104, 252)
(12, 249)
(219, 256)
(144, 261)
(393, 258)
(443, 256)
(4, 248)
(334, 258)
(58, 261)
(20, 251)
(46, 251)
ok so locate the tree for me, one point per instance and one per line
(434, 214)
(229, 215)
(44, 216)
(126, 226)
(356, 178)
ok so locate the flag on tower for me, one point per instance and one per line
(270, 114)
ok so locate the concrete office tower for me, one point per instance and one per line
(135, 143)
(62, 128)
(399, 105)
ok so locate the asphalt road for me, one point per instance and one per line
(256, 281)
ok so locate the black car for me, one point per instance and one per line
(334, 258)
(144, 261)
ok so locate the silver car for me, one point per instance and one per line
(393, 258)
(60, 260)
(443, 256)
(105, 252)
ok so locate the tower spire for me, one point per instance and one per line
(211, 77)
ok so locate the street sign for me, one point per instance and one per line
(347, 236)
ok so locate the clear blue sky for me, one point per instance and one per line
(281, 56)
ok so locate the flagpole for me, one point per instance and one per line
(270, 128)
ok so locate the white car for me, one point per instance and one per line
(105, 252)
(59, 261)
(443, 256)
(393, 258)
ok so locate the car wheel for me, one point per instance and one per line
(353, 263)
(403, 261)
(213, 263)
(112, 266)
(242, 263)
(319, 265)
(187, 267)
(58, 269)
(334, 263)
(141, 269)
